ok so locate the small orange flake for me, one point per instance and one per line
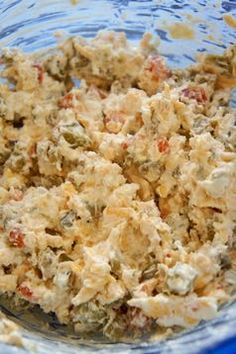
(125, 145)
(40, 72)
(164, 213)
(196, 93)
(66, 101)
(25, 291)
(163, 145)
(16, 238)
(32, 150)
(157, 67)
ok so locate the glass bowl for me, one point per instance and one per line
(31, 25)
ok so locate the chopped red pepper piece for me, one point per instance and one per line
(66, 101)
(32, 150)
(195, 93)
(40, 72)
(25, 291)
(156, 65)
(164, 213)
(163, 145)
(125, 145)
(16, 238)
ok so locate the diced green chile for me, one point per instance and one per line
(75, 135)
(4, 155)
(16, 162)
(53, 154)
(90, 317)
(68, 219)
(52, 118)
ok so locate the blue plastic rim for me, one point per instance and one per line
(30, 25)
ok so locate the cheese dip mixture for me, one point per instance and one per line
(117, 198)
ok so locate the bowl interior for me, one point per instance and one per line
(31, 25)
